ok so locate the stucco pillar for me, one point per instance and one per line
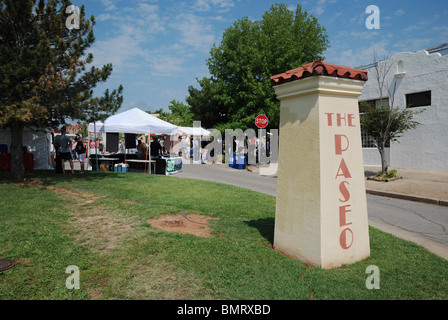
(321, 210)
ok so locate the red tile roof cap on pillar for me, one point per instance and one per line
(319, 68)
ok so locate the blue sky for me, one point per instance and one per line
(159, 47)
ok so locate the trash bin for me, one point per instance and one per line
(240, 162)
(232, 160)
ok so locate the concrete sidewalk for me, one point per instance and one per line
(415, 185)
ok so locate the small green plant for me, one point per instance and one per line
(390, 174)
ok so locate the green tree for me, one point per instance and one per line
(249, 53)
(44, 79)
(205, 104)
(179, 114)
(386, 122)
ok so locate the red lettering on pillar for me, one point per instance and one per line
(339, 119)
(346, 238)
(342, 144)
(338, 143)
(343, 215)
(343, 170)
(342, 120)
(350, 119)
(344, 191)
(329, 119)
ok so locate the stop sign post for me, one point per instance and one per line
(261, 121)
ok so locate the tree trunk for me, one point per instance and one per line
(384, 164)
(17, 165)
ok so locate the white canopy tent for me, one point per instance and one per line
(194, 131)
(134, 121)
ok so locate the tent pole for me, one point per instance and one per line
(125, 148)
(146, 153)
(95, 147)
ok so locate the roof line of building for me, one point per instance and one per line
(439, 48)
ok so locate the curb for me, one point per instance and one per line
(394, 195)
(408, 197)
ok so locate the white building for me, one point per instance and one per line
(420, 80)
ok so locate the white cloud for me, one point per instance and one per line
(143, 38)
(106, 17)
(410, 45)
(194, 32)
(145, 16)
(163, 65)
(360, 56)
(321, 6)
(131, 31)
(399, 12)
(219, 5)
(119, 51)
(109, 5)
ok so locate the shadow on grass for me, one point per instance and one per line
(50, 177)
(264, 226)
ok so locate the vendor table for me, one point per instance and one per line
(107, 161)
(142, 161)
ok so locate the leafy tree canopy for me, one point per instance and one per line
(241, 65)
(179, 115)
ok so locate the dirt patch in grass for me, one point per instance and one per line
(101, 230)
(197, 225)
(82, 196)
(96, 226)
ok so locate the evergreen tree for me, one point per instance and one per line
(44, 78)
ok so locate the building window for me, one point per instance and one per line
(368, 105)
(400, 68)
(419, 99)
(367, 141)
(365, 106)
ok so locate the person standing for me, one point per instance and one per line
(141, 149)
(81, 151)
(73, 147)
(196, 149)
(65, 150)
(100, 145)
(57, 145)
(121, 147)
(156, 148)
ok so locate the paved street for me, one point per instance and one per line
(425, 224)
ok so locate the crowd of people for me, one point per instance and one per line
(69, 150)
(200, 151)
(187, 147)
(155, 150)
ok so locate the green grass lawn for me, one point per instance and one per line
(99, 222)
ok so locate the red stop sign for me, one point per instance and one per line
(261, 121)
